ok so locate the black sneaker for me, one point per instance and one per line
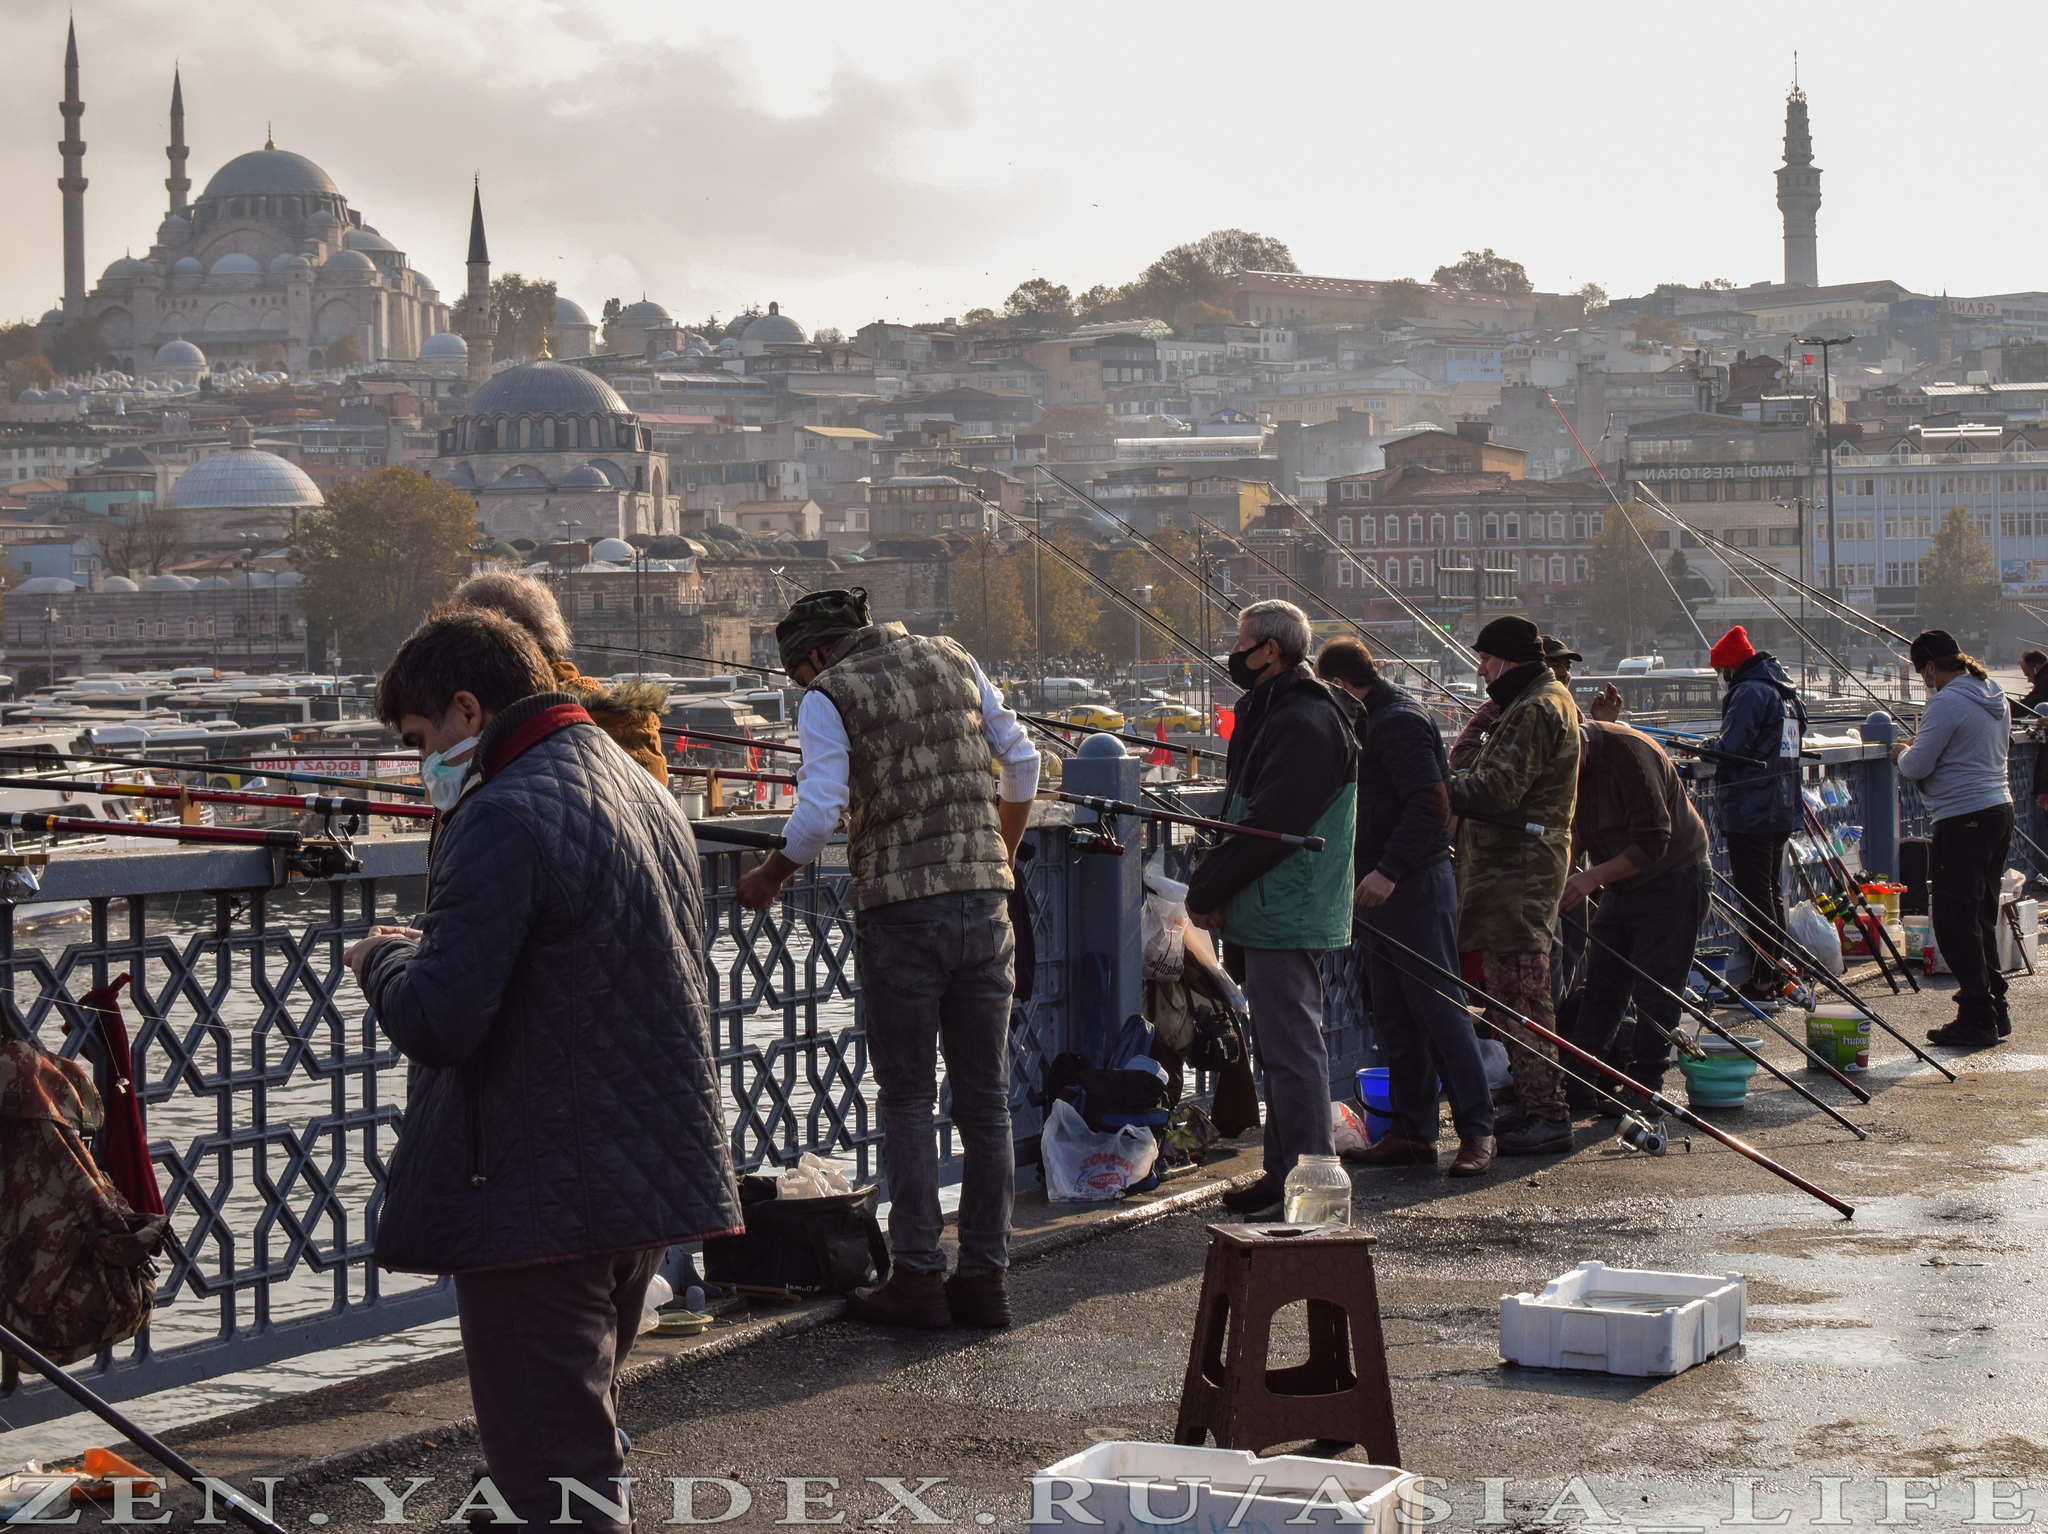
(1537, 1137)
(2004, 1018)
(1254, 1199)
(1962, 1035)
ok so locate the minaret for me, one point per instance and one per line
(178, 183)
(1799, 191)
(479, 324)
(72, 183)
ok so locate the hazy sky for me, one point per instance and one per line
(917, 160)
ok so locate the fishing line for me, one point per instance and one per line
(1209, 594)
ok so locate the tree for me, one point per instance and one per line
(988, 602)
(1132, 573)
(979, 321)
(1239, 250)
(1188, 316)
(1557, 310)
(1627, 597)
(526, 313)
(150, 540)
(342, 353)
(30, 372)
(1721, 283)
(1481, 271)
(1059, 610)
(268, 357)
(1100, 303)
(1041, 303)
(19, 340)
(77, 348)
(1657, 330)
(1402, 299)
(378, 556)
(1181, 277)
(1592, 295)
(1958, 580)
(832, 335)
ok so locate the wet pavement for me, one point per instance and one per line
(1905, 1343)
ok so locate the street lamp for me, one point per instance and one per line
(1827, 410)
(248, 610)
(1144, 595)
(50, 645)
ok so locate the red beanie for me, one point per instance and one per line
(1731, 650)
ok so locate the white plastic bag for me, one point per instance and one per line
(1082, 1166)
(1816, 934)
(659, 1293)
(1347, 1129)
(811, 1177)
(1163, 921)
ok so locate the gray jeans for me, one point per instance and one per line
(544, 1344)
(936, 976)
(1284, 989)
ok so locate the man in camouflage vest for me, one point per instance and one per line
(898, 732)
(1509, 880)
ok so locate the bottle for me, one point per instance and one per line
(1317, 1192)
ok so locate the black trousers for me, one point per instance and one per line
(1964, 866)
(1756, 867)
(1654, 925)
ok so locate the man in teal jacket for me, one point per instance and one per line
(1293, 767)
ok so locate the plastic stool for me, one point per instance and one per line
(1341, 1395)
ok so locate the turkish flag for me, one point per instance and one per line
(1807, 359)
(1162, 756)
(1226, 721)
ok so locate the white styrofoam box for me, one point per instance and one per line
(2030, 933)
(1136, 1488)
(1623, 1320)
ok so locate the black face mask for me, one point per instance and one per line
(1241, 671)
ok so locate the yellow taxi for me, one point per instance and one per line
(1178, 719)
(1093, 715)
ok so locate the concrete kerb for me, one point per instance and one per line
(1110, 1221)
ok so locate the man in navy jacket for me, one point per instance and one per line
(1759, 806)
(1408, 892)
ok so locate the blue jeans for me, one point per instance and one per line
(935, 977)
(1425, 1032)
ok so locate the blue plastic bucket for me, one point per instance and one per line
(1373, 1092)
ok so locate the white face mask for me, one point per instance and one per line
(443, 778)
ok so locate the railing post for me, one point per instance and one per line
(1880, 801)
(1107, 965)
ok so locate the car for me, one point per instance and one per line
(1178, 718)
(1095, 716)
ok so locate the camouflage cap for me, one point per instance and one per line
(817, 618)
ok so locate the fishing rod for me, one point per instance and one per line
(1883, 704)
(1306, 517)
(1124, 807)
(41, 823)
(1769, 1022)
(1143, 740)
(1218, 599)
(1640, 539)
(1662, 1103)
(316, 803)
(1345, 617)
(1815, 969)
(734, 740)
(717, 831)
(702, 660)
(161, 764)
(237, 1503)
(1672, 740)
(687, 769)
(1858, 901)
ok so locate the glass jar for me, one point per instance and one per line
(1317, 1192)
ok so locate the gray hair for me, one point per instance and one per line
(527, 602)
(1281, 621)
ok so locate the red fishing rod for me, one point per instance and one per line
(319, 804)
(37, 823)
(203, 764)
(1153, 741)
(732, 772)
(734, 740)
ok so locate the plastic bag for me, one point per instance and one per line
(811, 1177)
(1816, 934)
(1347, 1129)
(659, 1293)
(1084, 1167)
(1163, 921)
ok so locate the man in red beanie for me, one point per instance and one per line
(1759, 806)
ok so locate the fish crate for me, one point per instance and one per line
(1623, 1320)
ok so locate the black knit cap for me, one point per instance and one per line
(816, 619)
(1933, 645)
(1510, 639)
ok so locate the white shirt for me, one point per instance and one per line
(821, 789)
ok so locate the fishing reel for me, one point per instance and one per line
(330, 855)
(1651, 1138)
(1099, 838)
(19, 881)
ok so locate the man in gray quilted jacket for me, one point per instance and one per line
(563, 1123)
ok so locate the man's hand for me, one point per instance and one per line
(2041, 800)
(1900, 748)
(1577, 888)
(757, 890)
(358, 953)
(1372, 890)
(1606, 704)
(1208, 921)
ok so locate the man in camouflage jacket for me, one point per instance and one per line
(1509, 880)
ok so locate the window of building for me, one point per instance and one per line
(1579, 570)
(1393, 572)
(1462, 525)
(1513, 529)
(1556, 529)
(139, 634)
(1415, 529)
(159, 628)
(1344, 528)
(1415, 572)
(1343, 572)
(2018, 524)
(191, 628)
(1784, 537)
(262, 626)
(1742, 537)
(1535, 570)
(1490, 529)
(1436, 530)
(1368, 529)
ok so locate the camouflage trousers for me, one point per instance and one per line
(1522, 981)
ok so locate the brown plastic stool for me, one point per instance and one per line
(1341, 1395)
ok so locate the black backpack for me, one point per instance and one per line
(809, 1245)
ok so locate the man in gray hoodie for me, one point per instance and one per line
(1958, 759)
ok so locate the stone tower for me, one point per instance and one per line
(178, 183)
(479, 323)
(72, 183)
(1799, 192)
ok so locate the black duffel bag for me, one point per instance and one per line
(810, 1245)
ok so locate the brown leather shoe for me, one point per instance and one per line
(912, 1297)
(979, 1299)
(1391, 1150)
(1475, 1155)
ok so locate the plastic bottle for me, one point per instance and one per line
(1317, 1192)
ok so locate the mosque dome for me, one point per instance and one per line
(348, 261)
(612, 550)
(584, 477)
(234, 263)
(287, 261)
(366, 238)
(174, 227)
(546, 388)
(188, 266)
(169, 583)
(569, 312)
(29, 396)
(773, 329)
(179, 353)
(445, 345)
(646, 312)
(268, 171)
(46, 586)
(125, 267)
(427, 288)
(242, 477)
(52, 317)
(118, 583)
(519, 478)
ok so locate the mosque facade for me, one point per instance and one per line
(270, 257)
